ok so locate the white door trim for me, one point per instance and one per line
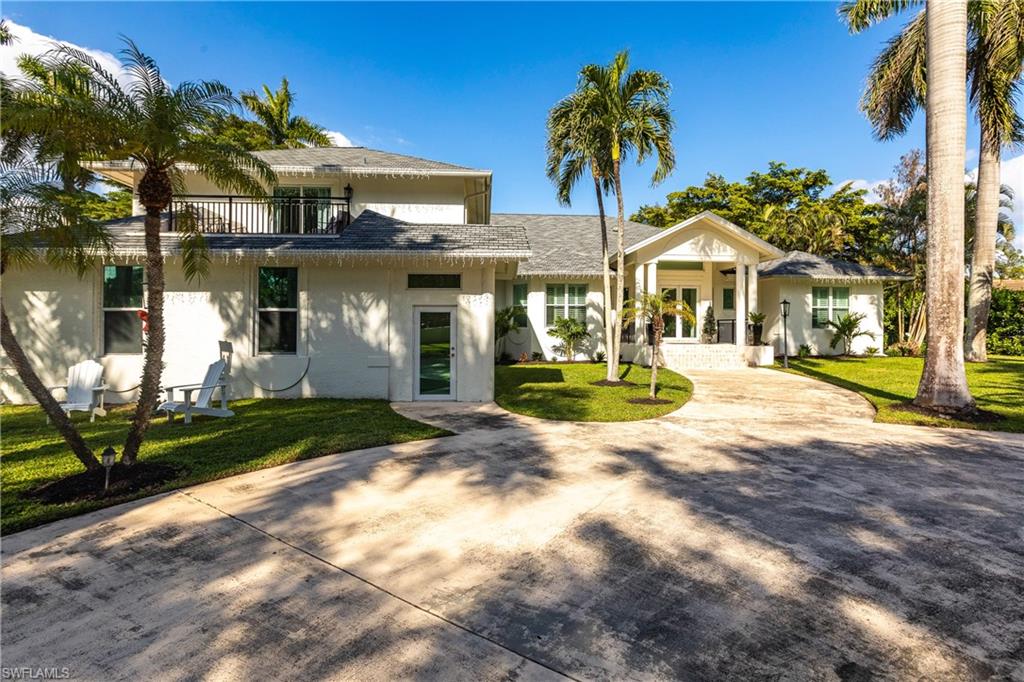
(453, 336)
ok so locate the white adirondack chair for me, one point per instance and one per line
(214, 379)
(84, 390)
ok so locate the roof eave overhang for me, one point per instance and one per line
(123, 170)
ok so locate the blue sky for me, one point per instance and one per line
(472, 83)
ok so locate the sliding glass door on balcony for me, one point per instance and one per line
(302, 210)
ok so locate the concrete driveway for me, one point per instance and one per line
(767, 529)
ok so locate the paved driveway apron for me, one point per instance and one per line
(767, 529)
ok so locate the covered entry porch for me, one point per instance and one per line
(711, 265)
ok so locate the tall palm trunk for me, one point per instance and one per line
(658, 325)
(35, 386)
(149, 388)
(606, 271)
(983, 258)
(620, 274)
(943, 386)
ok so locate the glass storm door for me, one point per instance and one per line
(435, 354)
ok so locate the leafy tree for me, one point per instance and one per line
(576, 146)
(504, 324)
(792, 208)
(571, 333)
(114, 204)
(234, 130)
(38, 213)
(158, 127)
(273, 112)
(652, 308)
(897, 88)
(846, 329)
(634, 117)
(1006, 323)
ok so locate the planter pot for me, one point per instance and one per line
(755, 334)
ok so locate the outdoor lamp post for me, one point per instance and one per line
(785, 334)
(108, 457)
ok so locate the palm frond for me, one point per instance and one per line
(896, 86)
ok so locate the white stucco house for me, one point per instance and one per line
(377, 275)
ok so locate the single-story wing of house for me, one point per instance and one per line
(376, 275)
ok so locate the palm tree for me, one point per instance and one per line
(35, 215)
(634, 116)
(897, 88)
(158, 127)
(846, 329)
(575, 147)
(653, 308)
(274, 112)
(943, 386)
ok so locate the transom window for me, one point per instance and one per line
(435, 281)
(519, 295)
(675, 326)
(828, 303)
(565, 300)
(122, 300)
(278, 310)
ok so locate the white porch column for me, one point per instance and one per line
(741, 305)
(752, 305)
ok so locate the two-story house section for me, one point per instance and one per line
(365, 274)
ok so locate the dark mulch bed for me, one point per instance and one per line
(621, 382)
(977, 417)
(648, 401)
(88, 485)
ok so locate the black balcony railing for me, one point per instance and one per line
(228, 214)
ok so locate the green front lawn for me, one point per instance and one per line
(564, 391)
(263, 433)
(998, 386)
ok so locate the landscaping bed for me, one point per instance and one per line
(891, 383)
(42, 481)
(572, 392)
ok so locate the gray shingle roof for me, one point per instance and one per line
(370, 234)
(353, 160)
(568, 244)
(803, 264)
(359, 158)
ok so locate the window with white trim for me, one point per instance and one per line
(519, 296)
(828, 303)
(565, 300)
(122, 300)
(277, 324)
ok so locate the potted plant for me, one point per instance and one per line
(756, 327)
(709, 332)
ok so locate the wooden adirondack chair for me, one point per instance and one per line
(214, 379)
(84, 390)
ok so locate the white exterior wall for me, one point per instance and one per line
(535, 337)
(865, 298)
(414, 199)
(356, 330)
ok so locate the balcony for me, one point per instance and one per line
(230, 214)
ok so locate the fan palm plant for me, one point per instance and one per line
(846, 329)
(633, 115)
(576, 147)
(41, 217)
(157, 127)
(653, 309)
(273, 111)
(897, 88)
